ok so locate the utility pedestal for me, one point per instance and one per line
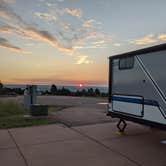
(30, 95)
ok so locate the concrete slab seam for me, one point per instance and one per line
(18, 148)
(107, 147)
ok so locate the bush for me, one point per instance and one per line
(53, 89)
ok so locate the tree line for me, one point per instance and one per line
(55, 91)
(10, 91)
(66, 92)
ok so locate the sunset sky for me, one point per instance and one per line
(68, 42)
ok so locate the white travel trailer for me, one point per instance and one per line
(137, 87)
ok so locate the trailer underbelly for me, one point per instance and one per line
(137, 120)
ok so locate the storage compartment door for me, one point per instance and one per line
(126, 104)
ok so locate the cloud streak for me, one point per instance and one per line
(83, 59)
(5, 44)
(73, 12)
(77, 35)
(90, 23)
(149, 39)
(5, 29)
(66, 38)
(44, 36)
(162, 37)
(28, 30)
(46, 16)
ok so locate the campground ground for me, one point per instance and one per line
(84, 135)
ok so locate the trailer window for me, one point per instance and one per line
(126, 63)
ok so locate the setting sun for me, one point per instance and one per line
(80, 85)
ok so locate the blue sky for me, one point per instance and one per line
(69, 41)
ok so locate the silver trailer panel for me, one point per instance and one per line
(137, 85)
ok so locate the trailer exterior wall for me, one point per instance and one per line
(135, 82)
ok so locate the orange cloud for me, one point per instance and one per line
(44, 36)
(162, 37)
(27, 30)
(73, 12)
(145, 40)
(67, 38)
(83, 60)
(5, 29)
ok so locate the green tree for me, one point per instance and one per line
(65, 92)
(53, 89)
(90, 92)
(77, 93)
(97, 92)
(1, 85)
(83, 92)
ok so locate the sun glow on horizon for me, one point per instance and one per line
(80, 85)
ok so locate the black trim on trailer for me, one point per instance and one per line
(140, 116)
(110, 81)
(137, 120)
(130, 95)
(137, 101)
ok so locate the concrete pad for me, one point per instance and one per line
(68, 100)
(82, 152)
(57, 100)
(11, 157)
(42, 134)
(5, 140)
(108, 130)
(76, 116)
(13, 99)
(140, 143)
(145, 149)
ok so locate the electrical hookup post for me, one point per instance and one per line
(30, 95)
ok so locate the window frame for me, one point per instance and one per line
(126, 66)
